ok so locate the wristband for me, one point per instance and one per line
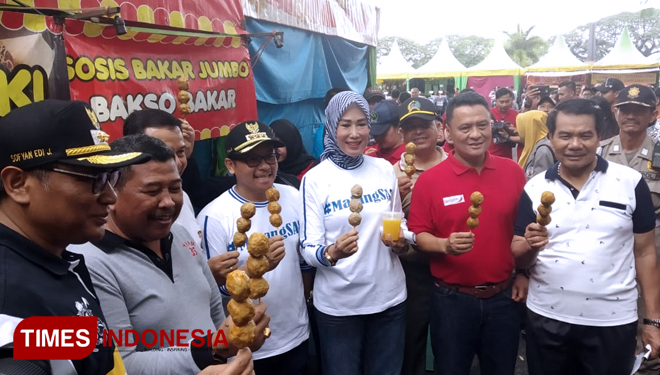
(652, 322)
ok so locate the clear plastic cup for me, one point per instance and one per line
(392, 224)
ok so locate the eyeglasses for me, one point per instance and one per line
(99, 179)
(255, 161)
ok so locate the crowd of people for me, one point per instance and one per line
(149, 246)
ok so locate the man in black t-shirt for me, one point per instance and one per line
(57, 174)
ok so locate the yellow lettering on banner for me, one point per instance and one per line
(85, 69)
(70, 70)
(152, 70)
(164, 68)
(122, 71)
(223, 69)
(138, 69)
(161, 69)
(13, 91)
(243, 69)
(176, 70)
(38, 86)
(188, 69)
(101, 68)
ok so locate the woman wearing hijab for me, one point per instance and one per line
(537, 156)
(296, 161)
(360, 287)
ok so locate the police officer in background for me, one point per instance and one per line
(635, 110)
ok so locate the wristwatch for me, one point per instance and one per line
(652, 322)
(523, 271)
(410, 237)
(329, 257)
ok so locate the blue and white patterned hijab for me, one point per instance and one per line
(336, 108)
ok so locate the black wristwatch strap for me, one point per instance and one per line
(652, 322)
(523, 271)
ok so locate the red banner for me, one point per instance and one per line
(119, 75)
(222, 16)
(580, 79)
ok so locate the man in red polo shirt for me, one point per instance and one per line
(473, 305)
(503, 112)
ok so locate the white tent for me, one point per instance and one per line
(625, 55)
(559, 58)
(442, 64)
(497, 63)
(393, 66)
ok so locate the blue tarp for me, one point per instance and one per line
(291, 81)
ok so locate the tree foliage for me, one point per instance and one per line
(523, 49)
(643, 26)
(416, 54)
(469, 50)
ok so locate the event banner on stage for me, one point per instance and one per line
(119, 75)
(30, 70)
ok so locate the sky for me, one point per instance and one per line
(424, 20)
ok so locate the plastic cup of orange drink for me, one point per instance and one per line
(392, 224)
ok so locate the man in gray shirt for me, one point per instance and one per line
(151, 277)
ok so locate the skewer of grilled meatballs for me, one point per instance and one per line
(547, 199)
(355, 206)
(245, 286)
(274, 208)
(409, 158)
(183, 97)
(475, 209)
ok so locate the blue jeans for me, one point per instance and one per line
(462, 326)
(292, 362)
(363, 344)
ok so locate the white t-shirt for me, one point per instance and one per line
(371, 280)
(586, 273)
(187, 220)
(285, 298)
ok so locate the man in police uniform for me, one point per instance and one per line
(635, 111)
(55, 190)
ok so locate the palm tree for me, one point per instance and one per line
(524, 50)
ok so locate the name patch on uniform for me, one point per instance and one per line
(456, 199)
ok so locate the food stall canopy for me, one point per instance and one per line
(625, 55)
(559, 59)
(442, 64)
(497, 63)
(394, 66)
